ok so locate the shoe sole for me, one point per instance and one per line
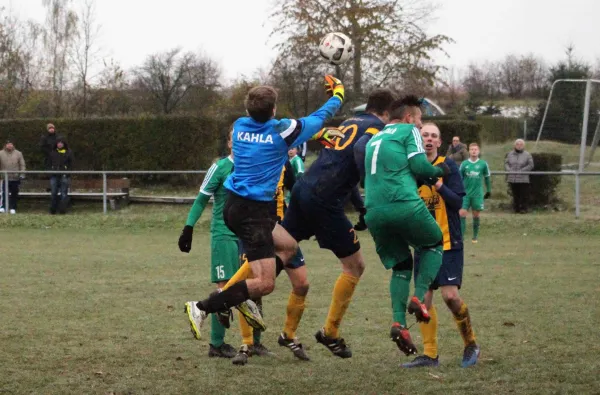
(418, 313)
(427, 365)
(402, 346)
(239, 362)
(193, 328)
(252, 321)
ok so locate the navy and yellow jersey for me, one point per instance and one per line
(444, 204)
(335, 172)
(286, 182)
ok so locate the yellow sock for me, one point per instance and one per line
(342, 294)
(246, 331)
(463, 322)
(429, 333)
(243, 273)
(295, 309)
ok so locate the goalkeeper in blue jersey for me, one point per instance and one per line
(260, 146)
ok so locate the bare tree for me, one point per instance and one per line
(61, 24)
(169, 76)
(85, 53)
(387, 35)
(512, 76)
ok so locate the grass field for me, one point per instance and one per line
(93, 304)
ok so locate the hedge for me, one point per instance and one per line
(543, 187)
(500, 129)
(145, 143)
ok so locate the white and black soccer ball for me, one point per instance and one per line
(336, 48)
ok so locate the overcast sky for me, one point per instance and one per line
(236, 32)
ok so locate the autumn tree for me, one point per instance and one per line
(169, 76)
(388, 37)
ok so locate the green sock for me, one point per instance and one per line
(475, 227)
(256, 336)
(431, 260)
(463, 225)
(217, 331)
(256, 333)
(399, 291)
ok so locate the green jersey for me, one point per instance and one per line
(473, 173)
(213, 186)
(388, 177)
(298, 166)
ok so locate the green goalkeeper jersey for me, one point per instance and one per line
(473, 175)
(298, 166)
(213, 186)
(388, 177)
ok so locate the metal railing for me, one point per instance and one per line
(104, 174)
(576, 173)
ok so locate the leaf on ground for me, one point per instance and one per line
(170, 308)
(436, 376)
(179, 359)
(508, 323)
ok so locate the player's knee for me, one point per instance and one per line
(301, 289)
(476, 214)
(451, 296)
(354, 265)
(266, 286)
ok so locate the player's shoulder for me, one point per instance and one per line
(224, 161)
(281, 125)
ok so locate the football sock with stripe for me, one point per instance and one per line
(227, 299)
(429, 333)
(399, 291)
(475, 227)
(295, 309)
(342, 294)
(463, 322)
(217, 331)
(243, 273)
(431, 260)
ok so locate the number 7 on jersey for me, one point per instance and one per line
(376, 144)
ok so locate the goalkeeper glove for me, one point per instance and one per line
(444, 168)
(487, 195)
(327, 136)
(334, 87)
(185, 240)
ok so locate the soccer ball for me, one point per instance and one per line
(336, 48)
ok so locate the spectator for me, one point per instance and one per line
(519, 160)
(48, 143)
(11, 159)
(458, 151)
(61, 158)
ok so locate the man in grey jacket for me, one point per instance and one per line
(519, 160)
(457, 151)
(11, 159)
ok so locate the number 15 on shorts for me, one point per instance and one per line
(220, 272)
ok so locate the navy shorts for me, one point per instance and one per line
(307, 216)
(451, 271)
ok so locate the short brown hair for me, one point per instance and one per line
(260, 103)
(379, 101)
(473, 145)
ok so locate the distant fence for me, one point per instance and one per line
(105, 195)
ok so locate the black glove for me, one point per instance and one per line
(444, 167)
(487, 195)
(185, 240)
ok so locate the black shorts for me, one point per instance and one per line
(451, 271)
(307, 216)
(251, 222)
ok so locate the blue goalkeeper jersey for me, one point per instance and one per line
(260, 150)
(335, 172)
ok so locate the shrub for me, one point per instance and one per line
(543, 187)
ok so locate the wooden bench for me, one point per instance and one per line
(117, 192)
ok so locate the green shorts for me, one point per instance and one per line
(397, 226)
(475, 203)
(224, 259)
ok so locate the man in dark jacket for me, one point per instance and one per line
(48, 143)
(61, 158)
